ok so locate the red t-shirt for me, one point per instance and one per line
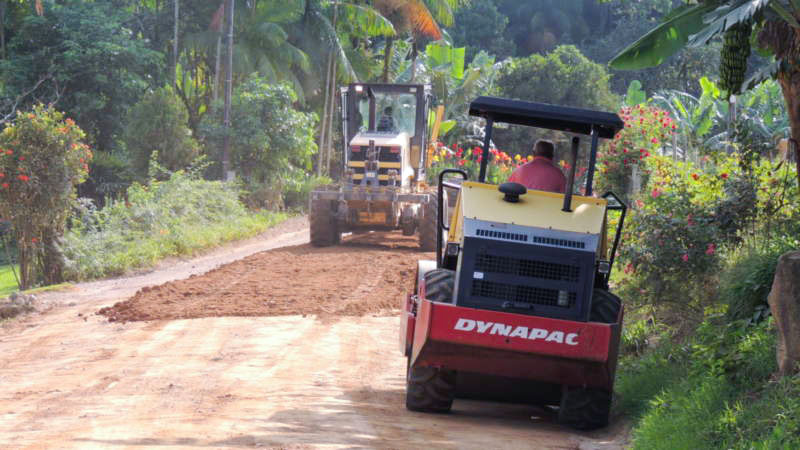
(540, 174)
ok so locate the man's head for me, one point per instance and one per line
(544, 148)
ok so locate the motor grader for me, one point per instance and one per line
(516, 306)
(386, 138)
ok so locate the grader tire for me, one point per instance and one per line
(605, 307)
(430, 389)
(322, 224)
(428, 224)
(439, 285)
(584, 408)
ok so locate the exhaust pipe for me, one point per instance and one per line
(571, 179)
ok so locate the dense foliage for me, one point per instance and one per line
(158, 123)
(177, 216)
(269, 139)
(88, 60)
(563, 77)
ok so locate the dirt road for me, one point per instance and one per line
(70, 378)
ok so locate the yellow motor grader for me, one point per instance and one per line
(386, 134)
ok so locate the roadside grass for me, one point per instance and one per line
(175, 217)
(8, 283)
(712, 391)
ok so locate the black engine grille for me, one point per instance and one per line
(525, 278)
(521, 294)
(527, 267)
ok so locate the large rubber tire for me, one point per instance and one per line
(428, 226)
(584, 408)
(605, 307)
(322, 224)
(439, 284)
(429, 389)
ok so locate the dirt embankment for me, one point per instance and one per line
(367, 274)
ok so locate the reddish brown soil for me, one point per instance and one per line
(366, 274)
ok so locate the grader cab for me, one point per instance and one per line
(516, 306)
(385, 130)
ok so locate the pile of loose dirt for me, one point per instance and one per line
(366, 274)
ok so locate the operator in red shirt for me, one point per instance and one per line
(541, 174)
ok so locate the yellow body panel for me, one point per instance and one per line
(383, 165)
(534, 209)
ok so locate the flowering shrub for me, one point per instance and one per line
(42, 159)
(672, 238)
(500, 166)
(646, 129)
(689, 214)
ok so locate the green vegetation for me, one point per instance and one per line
(712, 391)
(8, 280)
(173, 217)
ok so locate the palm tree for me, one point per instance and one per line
(778, 30)
(420, 18)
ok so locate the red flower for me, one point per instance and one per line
(685, 257)
(460, 162)
(2, 175)
(711, 249)
(34, 240)
(22, 158)
(656, 193)
(9, 152)
(5, 185)
(24, 178)
(476, 151)
(724, 175)
(654, 141)
(695, 176)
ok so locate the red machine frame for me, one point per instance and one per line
(511, 345)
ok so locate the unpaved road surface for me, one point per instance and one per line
(292, 359)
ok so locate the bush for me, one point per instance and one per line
(268, 136)
(745, 284)
(158, 123)
(563, 77)
(172, 217)
(42, 158)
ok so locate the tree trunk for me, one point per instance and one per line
(784, 302)
(413, 61)
(324, 125)
(331, 112)
(3, 5)
(226, 156)
(790, 83)
(52, 258)
(175, 45)
(387, 58)
(215, 91)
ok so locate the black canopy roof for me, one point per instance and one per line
(542, 115)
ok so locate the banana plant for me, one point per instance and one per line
(776, 25)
